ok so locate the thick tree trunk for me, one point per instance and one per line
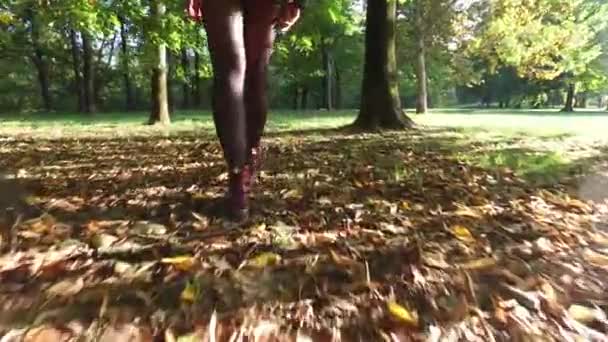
(380, 102)
(76, 69)
(187, 77)
(160, 101)
(327, 79)
(126, 75)
(88, 74)
(569, 106)
(421, 78)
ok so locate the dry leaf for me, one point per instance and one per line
(462, 233)
(585, 314)
(184, 263)
(479, 264)
(66, 288)
(401, 314)
(595, 258)
(264, 259)
(189, 293)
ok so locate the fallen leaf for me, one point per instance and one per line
(190, 292)
(595, 258)
(147, 228)
(103, 240)
(585, 314)
(462, 233)
(264, 259)
(479, 264)
(184, 263)
(66, 288)
(401, 314)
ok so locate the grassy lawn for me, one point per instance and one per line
(542, 145)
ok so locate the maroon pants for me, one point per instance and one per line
(240, 37)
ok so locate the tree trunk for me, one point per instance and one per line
(170, 72)
(338, 87)
(327, 79)
(126, 75)
(41, 65)
(581, 102)
(569, 106)
(160, 101)
(76, 69)
(380, 102)
(186, 83)
(88, 74)
(295, 104)
(304, 104)
(43, 79)
(421, 78)
(196, 84)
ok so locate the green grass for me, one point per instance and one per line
(541, 145)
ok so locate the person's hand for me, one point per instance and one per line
(288, 16)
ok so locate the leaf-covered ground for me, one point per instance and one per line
(395, 237)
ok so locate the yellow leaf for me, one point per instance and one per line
(402, 314)
(189, 293)
(462, 233)
(292, 194)
(183, 263)
(264, 259)
(596, 258)
(479, 264)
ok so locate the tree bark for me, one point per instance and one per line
(126, 75)
(380, 102)
(160, 101)
(421, 78)
(88, 74)
(569, 106)
(187, 77)
(77, 71)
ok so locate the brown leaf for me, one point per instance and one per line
(66, 288)
(480, 264)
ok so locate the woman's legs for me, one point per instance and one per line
(224, 24)
(260, 16)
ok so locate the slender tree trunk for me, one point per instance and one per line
(421, 78)
(88, 74)
(76, 69)
(327, 79)
(581, 101)
(304, 104)
(196, 87)
(43, 79)
(296, 98)
(380, 102)
(160, 101)
(126, 75)
(41, 64)
(187, 77)
(569, 106)
(338, 87)
(171, 98)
